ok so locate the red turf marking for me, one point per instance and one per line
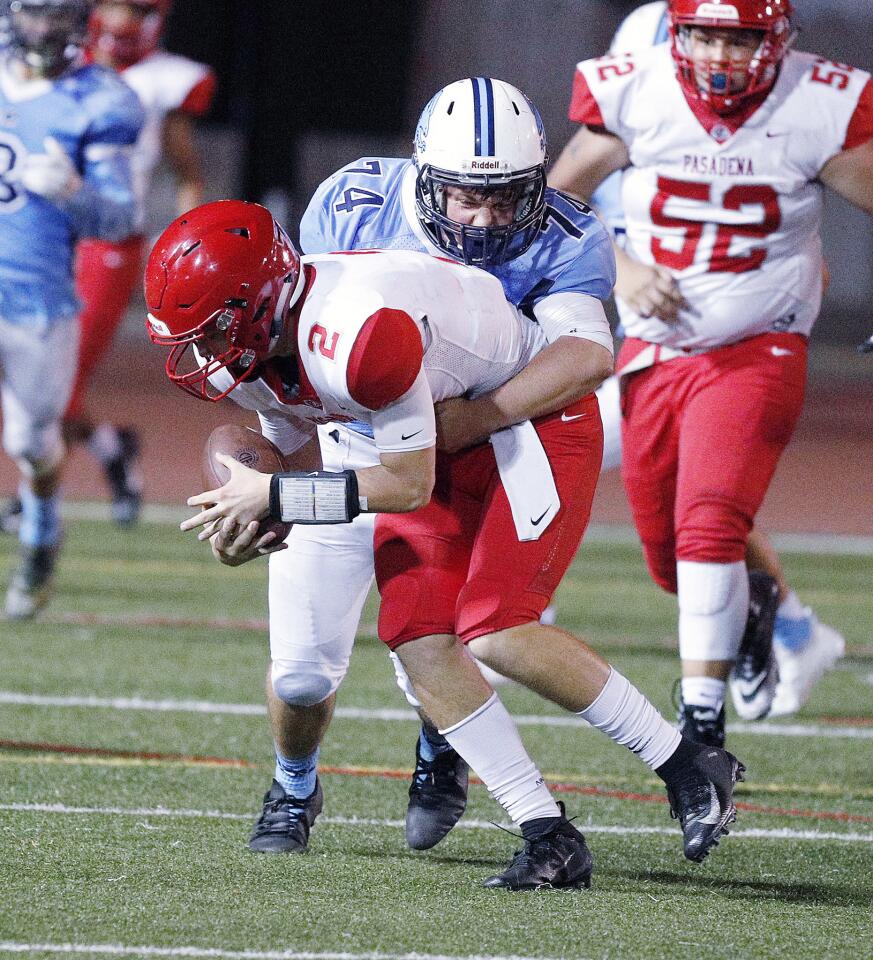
(70, 748)
(67, 748)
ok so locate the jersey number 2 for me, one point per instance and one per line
(742, 195)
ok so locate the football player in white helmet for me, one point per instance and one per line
(486, 208)
(474, 191)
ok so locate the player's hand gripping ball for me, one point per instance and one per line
(251, 449)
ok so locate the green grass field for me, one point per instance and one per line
(135, 752)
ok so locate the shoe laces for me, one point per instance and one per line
(688, 796)
(434, 772)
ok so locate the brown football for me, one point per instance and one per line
(253, 450)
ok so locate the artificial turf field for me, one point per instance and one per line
(134, 753)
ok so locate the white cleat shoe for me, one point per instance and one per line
(800, 670)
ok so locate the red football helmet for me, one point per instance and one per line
(770, 17)
(224, 272)
(133, 38)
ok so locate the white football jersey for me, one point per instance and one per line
(733, 213)
(163, 82)
(473, 340)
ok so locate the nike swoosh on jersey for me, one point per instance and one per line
(409, 436)
(781, 352)
(576, 416)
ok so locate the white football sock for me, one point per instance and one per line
(626, 716)
(713, 609)
(490, 744)
(703, 692)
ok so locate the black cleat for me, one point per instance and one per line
(32, 583)
(703, 725)
(755, 673)
(437, 798)
(10, 516)
(559, 860)
(123, 476)
(285, 822)
(701, 799)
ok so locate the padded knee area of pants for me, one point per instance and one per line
(713, 606)
(301, 684)
(706, 589)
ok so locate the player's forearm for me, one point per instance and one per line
(566, 370)
(587, 160)
(401, 483)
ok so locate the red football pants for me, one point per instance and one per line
(701, 437)
(457, 566)
(106, 275)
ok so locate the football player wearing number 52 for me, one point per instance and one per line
(727, 138)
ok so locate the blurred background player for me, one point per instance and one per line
(805, 649)
(65, 130)
(473, 191)
(711, 393)
(124, 35)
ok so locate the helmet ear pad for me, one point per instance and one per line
(480, 134)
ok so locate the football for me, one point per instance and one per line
(250, 448)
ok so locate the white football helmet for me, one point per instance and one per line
(481, 134)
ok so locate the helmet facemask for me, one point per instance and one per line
(767, 27)
(47, 35)
(489, 246)
(480, 134)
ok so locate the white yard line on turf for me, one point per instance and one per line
(11, 697)
(119, 950)
(620, 533)
(779, 833)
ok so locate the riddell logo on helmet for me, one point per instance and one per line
(485, 165)
(718, 11)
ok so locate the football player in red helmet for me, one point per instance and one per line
(202, 304)
(125, 31)
(721, 272)
(727, 53)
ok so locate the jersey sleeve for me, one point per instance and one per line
(333, 215)
(408, 423)
(385, 359)
(860, 129)
(198, 100)
(600, 88)
(589, 263)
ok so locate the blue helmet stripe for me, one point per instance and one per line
(483, 117)
(662, 33)
(489, 100)
(477, 118)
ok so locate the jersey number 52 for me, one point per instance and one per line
(736, 198)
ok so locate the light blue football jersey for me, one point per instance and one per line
(91, 112)
(370, 204)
